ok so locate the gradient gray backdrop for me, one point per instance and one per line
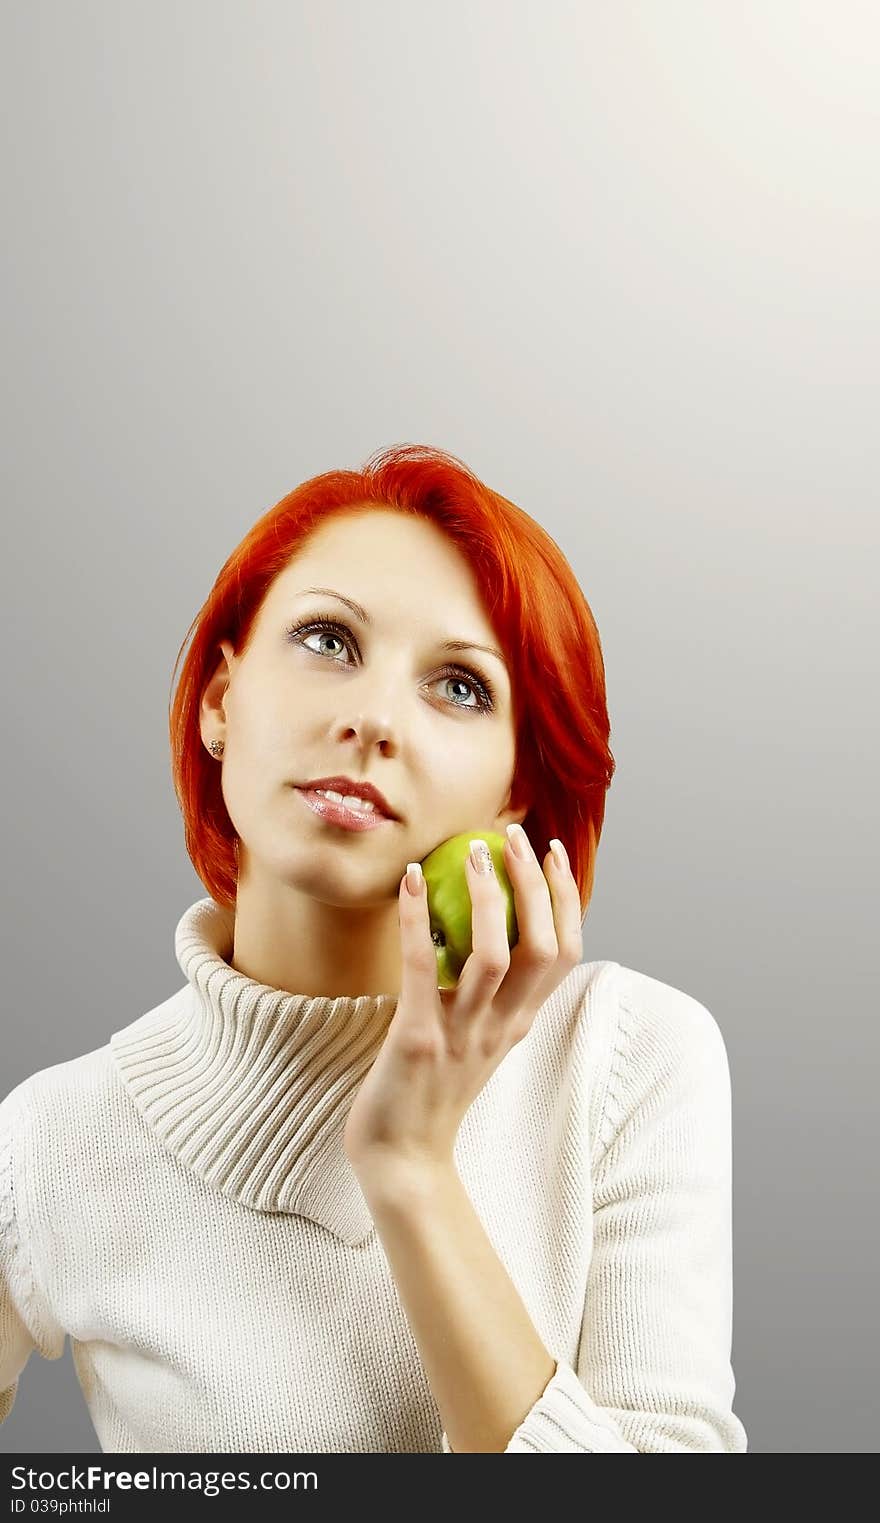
(621, 258)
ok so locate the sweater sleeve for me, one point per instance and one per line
(26, 1323)
(653, 1372)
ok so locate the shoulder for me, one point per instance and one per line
(584, 1004)
(661, 1027)
(667, 1054)
(638, 1042)
(56, 1098)
(81, 1096)
(620, 1017)
(65, 1127)
(50, 1116)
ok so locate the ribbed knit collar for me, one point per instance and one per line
(251, 1086)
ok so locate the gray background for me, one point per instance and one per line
(621, 258)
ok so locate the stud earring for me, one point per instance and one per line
(216, 747)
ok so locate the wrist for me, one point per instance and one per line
(391, 1181)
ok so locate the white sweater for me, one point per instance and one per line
(178, 1203)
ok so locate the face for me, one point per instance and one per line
(377, 700)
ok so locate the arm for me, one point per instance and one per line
(25, 1324)
(497, 1388)
(16, 1345)
(653, 1371)
(655, 1350)
(484, 1360)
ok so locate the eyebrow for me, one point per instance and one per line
(366, 619)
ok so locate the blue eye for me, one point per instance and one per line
(480, 685)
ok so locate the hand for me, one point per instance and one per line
(443, 1045)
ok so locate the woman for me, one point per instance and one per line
(311, 1202)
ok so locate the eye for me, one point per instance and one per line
(481, 690)
(480, 686)
(321, 629)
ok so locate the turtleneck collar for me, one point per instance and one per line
(251, 1086)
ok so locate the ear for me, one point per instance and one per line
(212, 709)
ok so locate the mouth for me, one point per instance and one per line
(358, 790)
(336, 812)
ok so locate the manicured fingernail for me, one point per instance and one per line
(560, 855)
(481, 858)
(414, 877)
(519, 841)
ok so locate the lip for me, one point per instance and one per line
(341, 784)
(354, 820)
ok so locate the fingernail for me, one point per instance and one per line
(481, 858)
(560, 855)
(414, 877)
(519, 841)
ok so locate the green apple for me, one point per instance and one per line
(449, 900)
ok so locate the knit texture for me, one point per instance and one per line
(178, 1203)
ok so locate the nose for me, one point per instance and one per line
(373, 731)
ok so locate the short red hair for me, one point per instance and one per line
(542, 619)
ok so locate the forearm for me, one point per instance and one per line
(482, 1355)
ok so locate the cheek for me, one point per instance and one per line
(267, 724)
(466, 779)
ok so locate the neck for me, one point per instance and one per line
(291, 940)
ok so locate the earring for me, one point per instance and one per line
(216, 747)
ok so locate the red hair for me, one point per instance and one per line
(544, 624)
